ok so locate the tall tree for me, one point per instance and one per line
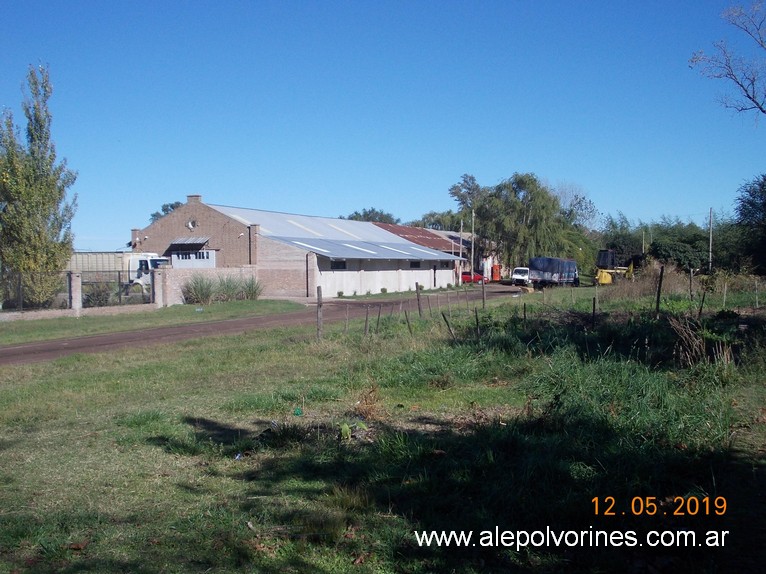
(519, 218)
(468, 193)
(35, 221)
(745, 73)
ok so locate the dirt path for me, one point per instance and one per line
(332, 311)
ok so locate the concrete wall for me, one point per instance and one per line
(371, 276)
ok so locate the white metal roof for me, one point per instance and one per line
(333, 238)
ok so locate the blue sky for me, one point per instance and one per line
(324, 108)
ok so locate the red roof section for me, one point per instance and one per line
(421, 236)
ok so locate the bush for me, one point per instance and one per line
(98, 294)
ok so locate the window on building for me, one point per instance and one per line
(414, 264)
(337, 265)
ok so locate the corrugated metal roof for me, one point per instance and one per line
(190, 241)
(333, 238)
(422, 237)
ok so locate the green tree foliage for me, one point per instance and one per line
(439, 220)
(372, 214)
(35, 221)
(680, 254)
(751, 216)
(468, 193)
(521, 218)
(730, 246)
(164, 210)
(744, 72)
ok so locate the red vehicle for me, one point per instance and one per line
(466, 277)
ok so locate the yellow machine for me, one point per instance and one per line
(607, 270)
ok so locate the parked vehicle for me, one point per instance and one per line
(544, 271)
(128, 268)
(467, 277)
(520, 277)
(607, 269)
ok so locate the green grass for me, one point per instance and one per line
(273, 452)
(16, 332)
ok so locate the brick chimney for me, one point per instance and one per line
(193, 199)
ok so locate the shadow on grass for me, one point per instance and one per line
(365, 496)
(534, 475)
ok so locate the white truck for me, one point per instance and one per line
(520, 277)
(127, 267)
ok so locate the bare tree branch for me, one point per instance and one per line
(747, 75)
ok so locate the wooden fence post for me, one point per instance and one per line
(319, 312)
(449, 327)
(417, 294)
(659, 290)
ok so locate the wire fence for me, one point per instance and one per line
(37, 291)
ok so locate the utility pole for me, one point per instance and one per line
(462, 247)
(473, 238)
(710, 250)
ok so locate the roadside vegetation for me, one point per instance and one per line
(275, 452)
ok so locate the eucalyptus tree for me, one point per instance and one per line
(35, 222)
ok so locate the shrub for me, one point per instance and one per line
(97, 294)
(199, 289)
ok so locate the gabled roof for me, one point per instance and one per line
(333, 238)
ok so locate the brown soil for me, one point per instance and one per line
(332, 311)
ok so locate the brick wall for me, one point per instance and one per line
(234, 242)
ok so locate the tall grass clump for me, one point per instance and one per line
(199, 289)
(252, 289)
(203, 290)
(229, 289)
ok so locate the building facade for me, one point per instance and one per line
(291, 255)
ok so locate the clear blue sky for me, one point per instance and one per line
(328, 107)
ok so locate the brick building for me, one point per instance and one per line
(291, 255)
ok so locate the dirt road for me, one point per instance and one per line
(332, 311)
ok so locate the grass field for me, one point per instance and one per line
(275, 452)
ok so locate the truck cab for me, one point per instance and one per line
(520, 277)
(140, 266)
